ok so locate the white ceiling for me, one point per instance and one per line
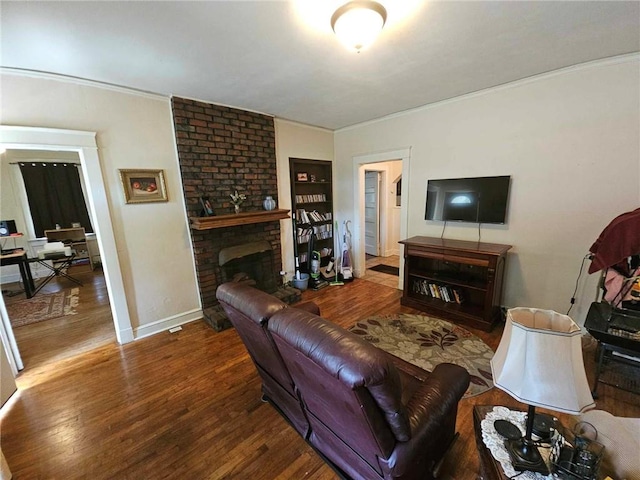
(281, 57)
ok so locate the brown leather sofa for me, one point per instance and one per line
(369, 414)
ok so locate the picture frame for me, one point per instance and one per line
(302, 177)
(207, 209)
(143, 185)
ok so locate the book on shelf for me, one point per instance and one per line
(312, 216)
(301, 216)
(303, 234)
(323, 231)
(311, 198)
(445, 293)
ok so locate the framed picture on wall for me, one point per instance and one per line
(143, 186)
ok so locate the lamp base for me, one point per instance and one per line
(525, 456)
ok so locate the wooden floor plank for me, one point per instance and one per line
(184, 405)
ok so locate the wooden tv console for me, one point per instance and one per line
(455, 280)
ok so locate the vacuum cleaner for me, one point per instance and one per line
(316, 281)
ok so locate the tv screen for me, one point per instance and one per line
(475, 200)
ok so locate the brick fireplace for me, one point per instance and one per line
(220, 150)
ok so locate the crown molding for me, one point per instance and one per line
(303, 125)
(20, 72)
(619, 59)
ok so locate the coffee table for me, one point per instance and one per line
(490, 468)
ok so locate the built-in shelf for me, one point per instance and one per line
(242, 218)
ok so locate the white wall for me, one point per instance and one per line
(570, 141)
(7, 382)
(133, 131)
(298, 141)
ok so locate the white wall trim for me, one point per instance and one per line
(165, 324)
(19, 72)
(84, 143)
(359, 166)
(12, 277)
(81, 81)
(305, 125)
(8, 340)
(629, 57)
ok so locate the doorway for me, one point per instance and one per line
(372, 212)
(84, 144)
(388, 168)
(69, 313)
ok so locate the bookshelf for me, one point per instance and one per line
(312, 205)
(455, 279)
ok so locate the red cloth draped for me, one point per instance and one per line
(618, 241)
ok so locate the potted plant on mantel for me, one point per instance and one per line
(237, 199)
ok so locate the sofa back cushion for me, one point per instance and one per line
(248, 310)
(346, 383)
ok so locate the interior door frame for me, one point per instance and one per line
(85, 145)
(360, 163)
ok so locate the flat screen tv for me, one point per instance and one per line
(474, 200)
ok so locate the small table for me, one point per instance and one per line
(59, 263)
(19, 257)
(598, 324)
(490, 468)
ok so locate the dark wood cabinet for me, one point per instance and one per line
(312, 204)
(455, 280)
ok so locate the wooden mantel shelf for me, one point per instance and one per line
(242, 218)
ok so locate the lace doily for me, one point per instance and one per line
(495, 442)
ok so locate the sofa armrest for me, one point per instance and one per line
(308, 307)
(429, 411)
(443, 390)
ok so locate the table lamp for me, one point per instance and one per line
(539, 362)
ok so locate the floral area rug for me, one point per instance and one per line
(426, 342)
(43, 307)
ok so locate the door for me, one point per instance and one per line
(372, 213)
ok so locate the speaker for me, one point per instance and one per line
(543, 425)
(7, 227)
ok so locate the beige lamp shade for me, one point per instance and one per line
(539, 361)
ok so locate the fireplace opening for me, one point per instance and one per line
(249, 262)
(253, 263)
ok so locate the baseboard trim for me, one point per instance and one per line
(11, 278)
(166, 323)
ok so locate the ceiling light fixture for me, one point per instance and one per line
(358, 23)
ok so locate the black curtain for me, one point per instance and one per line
(55, 196)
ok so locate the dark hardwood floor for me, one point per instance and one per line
(46, 342)
(187, 404)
